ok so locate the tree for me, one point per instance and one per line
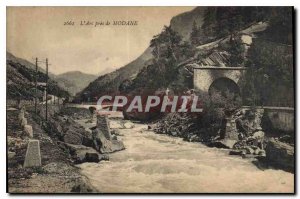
(168, 51)
(195, 35)
(269, 79)
(209, 21)
(125, 86)
(236, 50)
(281, 25)
(223, 21)
(166, 44)
(167, 54)
(229, 20)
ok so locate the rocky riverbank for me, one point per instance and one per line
(241, 132)
(57, 172)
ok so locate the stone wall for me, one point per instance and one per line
(16, 103)
(279, 118)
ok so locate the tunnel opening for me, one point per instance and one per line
(224, 86)
(225, 93)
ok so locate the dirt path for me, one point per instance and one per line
(159, 163)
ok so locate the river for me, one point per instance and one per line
(155, 163)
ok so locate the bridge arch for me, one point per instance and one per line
(204, 77)
(223, 85)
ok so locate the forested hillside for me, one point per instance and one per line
(270, 56)
(20, 78)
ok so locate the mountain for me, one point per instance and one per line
(210, 36)
(74, 81)
(111, 82)
(24, 62)
(183, 23)
(20, 78)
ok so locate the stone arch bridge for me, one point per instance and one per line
(209, 76)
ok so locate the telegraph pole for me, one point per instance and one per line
(46, 89)
(35, 99)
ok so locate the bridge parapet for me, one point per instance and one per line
(219, 68)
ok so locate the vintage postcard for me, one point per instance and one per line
(150, 99)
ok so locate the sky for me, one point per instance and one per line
(40, 32)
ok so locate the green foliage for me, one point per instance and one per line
(166, 44)
(237, 51)
(226, 99)
(125, 86)
(222, 21)
(23, 82)
(168, 51)
(229, 19)
(215, 107)
(281, 25)
(269, 79)
(209, 22)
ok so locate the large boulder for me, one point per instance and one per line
(69, 123)
(116, 132)
(103, 145)
(128, 125)
(116, 124)
(73, 137)
(57, 128)
(80, 153)
(92, 157)
(280, 154)
(87, 141)
(71, 132)
(116, 145)
(103, 125)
